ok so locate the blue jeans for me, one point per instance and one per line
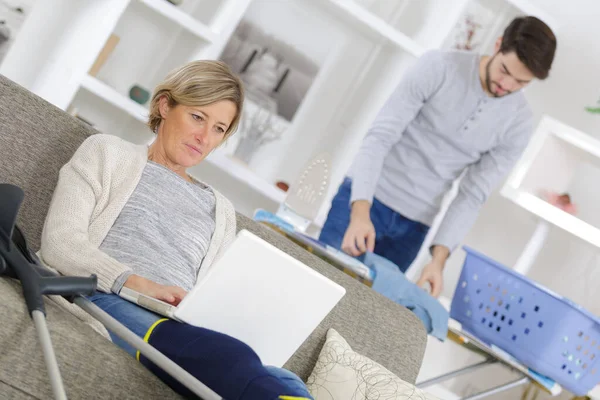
(139, 320)
(397, 238)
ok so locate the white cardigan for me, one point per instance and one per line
(92, 189)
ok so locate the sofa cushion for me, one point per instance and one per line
(36, 139)
(91, 366)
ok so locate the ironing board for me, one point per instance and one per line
(337, 258)
(492, 356)
(455, 333)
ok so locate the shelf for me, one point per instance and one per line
(186, 21)
(371, 24)
(550, 162)
(554, 215)
(228, 164)
(240, 171)
(115, 98)
(577, 138)
(550, 128)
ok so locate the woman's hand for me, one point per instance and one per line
(169, 294)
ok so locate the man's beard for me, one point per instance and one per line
(488, 81)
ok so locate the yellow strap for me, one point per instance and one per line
(154, 325)
(293, 398)
(148, 333)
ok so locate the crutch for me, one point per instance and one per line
(17, 261)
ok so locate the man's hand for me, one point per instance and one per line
(169, 294)
(360, 235)
(433, 272)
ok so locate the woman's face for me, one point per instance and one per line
(189, 133)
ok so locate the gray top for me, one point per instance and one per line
(164, 230)
(438, 123)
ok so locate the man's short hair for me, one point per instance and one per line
(533, 42)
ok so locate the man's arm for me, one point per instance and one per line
(418, 84)
(477, 184)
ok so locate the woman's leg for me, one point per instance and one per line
(292, 380)
(226, 365)
(135, 318)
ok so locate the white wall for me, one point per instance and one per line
(286, 18)
(51, 55)
(13, 20)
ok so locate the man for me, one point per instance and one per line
(452, 113)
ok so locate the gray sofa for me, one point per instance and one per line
(36, 139)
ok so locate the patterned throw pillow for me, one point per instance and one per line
(343, 374)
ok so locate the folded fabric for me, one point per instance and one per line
(391, 282)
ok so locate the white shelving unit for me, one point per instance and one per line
(557, 159)
(552, 161)
(369, 24)
(181, 18)
(371, 43)
(241, 171)
(110, 95)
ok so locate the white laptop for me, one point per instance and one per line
(257, 294)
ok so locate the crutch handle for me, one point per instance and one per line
(37, 280)
(69, 286)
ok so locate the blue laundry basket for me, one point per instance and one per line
(548, 333)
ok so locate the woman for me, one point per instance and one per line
(134, 217)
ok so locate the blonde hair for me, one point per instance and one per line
(199, 83)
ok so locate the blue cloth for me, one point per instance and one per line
(226, 365)
(392, 283)
(397, 238)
